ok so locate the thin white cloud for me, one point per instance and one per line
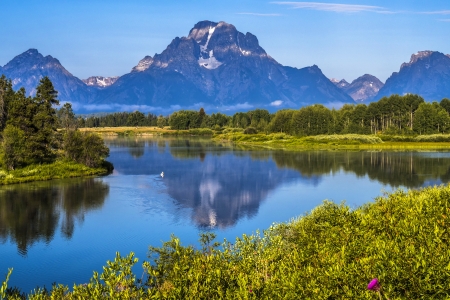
(334, 7)
(276, 103)
(259, 14)
(444, 20)
(437, 12)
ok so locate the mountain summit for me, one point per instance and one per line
(219, 66)
(27, 69)
(426, 74)
(362, 88)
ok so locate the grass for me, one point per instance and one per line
(140, 130)
(146, 131)
(337, 142)
(57, 170)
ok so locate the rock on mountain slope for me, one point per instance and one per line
(362, 88)
(220, 66)
(426, 74)
(27, 69)
(100, 81)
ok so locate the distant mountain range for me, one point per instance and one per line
(361, 89)
(222, 69)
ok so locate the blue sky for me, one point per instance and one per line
(346, 39)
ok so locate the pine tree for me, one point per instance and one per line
(6, 95)
(45, 120)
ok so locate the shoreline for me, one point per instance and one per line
(280, 141)
(57, 170)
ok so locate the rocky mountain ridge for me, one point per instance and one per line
(219, 66)
(27, 69)
(221, 69)
(426, 74)
(362, 88)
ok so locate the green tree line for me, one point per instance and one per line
(28, 129)
(120, 119)
(408, 114)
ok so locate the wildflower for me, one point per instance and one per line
(374, 285)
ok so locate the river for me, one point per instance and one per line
(62, 230)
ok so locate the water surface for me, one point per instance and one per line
(60, 231)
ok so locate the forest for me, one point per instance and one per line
(394, 115)
(29, 132)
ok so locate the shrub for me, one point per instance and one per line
(250, 130)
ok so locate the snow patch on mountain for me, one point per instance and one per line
(210, 63)
(207, 59)
(210, 33)
(100, 81)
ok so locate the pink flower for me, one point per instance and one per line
(374, 285)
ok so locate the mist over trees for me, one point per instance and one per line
(394, 115)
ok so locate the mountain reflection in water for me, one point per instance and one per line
(222, 184)
(32, 214)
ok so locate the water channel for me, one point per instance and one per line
(62, 230)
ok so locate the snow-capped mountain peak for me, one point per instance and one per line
(100, 81)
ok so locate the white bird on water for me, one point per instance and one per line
(162, 174)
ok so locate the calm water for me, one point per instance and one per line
(60, 231)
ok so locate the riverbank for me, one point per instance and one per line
(331, 252)
(57, 170)
(281, 141)
(147, 131)
(336, 142)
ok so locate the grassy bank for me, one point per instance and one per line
(147, 131)
(57, 170)
(332, 252)
(344, 141)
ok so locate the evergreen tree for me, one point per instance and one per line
(14, 147)
(45, 120)
(67, 118)
(6, 95)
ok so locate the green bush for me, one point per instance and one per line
(250, 130)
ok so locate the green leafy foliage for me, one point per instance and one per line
(4, 285)
(94, 150)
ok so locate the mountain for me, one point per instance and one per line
(426, 74)
(339, 83)
(218, 66)
(27, 69)
(100, 81)
(362, 88)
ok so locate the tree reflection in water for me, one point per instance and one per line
(221, 191)
(408, 169)
(31, 213)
